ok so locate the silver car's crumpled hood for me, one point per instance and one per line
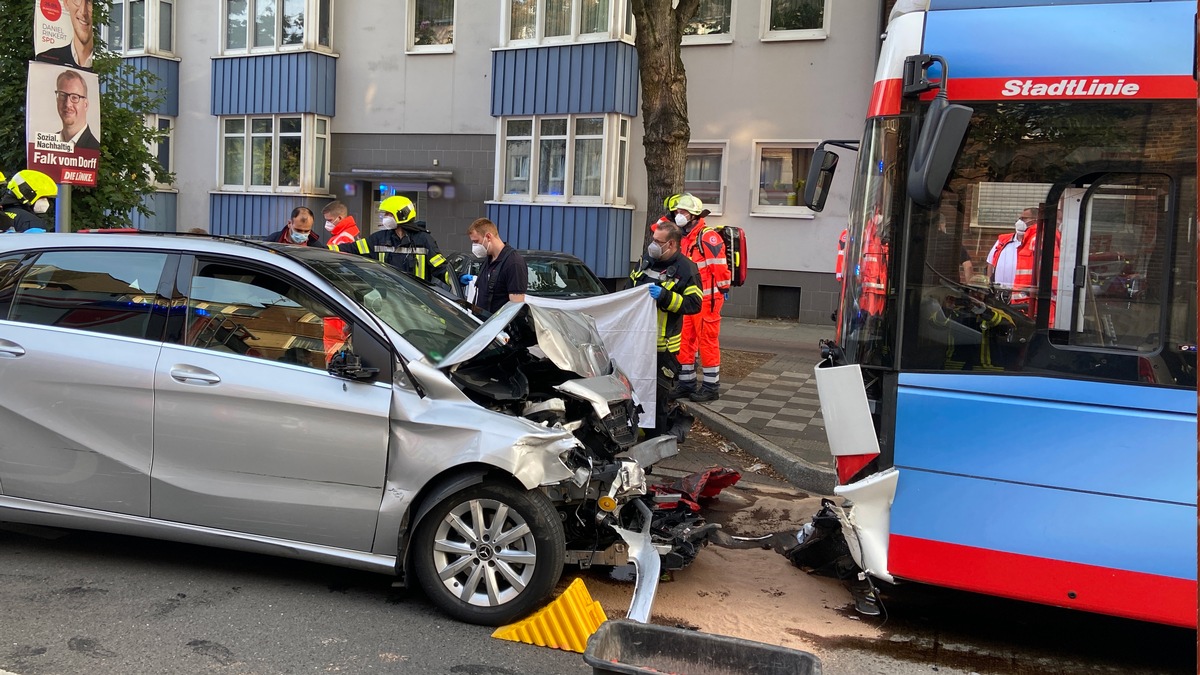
(482, 337)
(569, 339)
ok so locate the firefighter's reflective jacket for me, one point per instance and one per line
(682, 295)
(413, 252)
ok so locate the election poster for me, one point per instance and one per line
(62, 123)
(63, 33)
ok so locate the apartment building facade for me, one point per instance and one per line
(524, 111)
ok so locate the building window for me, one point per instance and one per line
(574, 161)
(703, 174)
(537, 21)
(281, 153)
(782, 167)
(795, 19)
(141, 27)
(712, 23)
(432, 24)
(276, 25)
(163, 150)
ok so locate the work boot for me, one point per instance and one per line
(706, 394)
(682, 391)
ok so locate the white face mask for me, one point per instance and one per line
(681, 219)
(1020, 226)
(654, 250)
(329, 226)
(387, 223)
(478, 250)
(41, 206)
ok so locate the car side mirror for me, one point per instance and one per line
(347, 364)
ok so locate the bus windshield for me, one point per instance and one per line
(1062, 244)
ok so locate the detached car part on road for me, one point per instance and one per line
(316, 405)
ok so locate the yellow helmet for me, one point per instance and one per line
(689, 203)
(401, 208)
(669, 202)
(29, 185)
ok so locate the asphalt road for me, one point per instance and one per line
(75, 602)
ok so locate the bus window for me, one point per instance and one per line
(1112, 272)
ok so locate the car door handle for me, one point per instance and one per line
(10, 350)
(193, 374)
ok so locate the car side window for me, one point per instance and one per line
(100, 291)
(240, 310)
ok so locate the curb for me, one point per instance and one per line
(806, 476)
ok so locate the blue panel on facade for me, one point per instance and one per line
(163, 213)
(593, 77)
(255, 215)
(597, 235)
(293, 82)
(167, 72)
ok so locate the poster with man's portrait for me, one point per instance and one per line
(63, 33)
(62, 123)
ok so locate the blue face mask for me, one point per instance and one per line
(297, 237)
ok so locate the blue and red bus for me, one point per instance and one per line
(1011, 397)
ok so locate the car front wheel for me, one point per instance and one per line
(490, 553)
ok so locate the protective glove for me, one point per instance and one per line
(655, 291)
(725, 295)
(466, 279)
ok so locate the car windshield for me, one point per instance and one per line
(429, 321)
(555, 277)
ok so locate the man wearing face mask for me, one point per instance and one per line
(504, 277)
(299, 229)
(1002, 259)
(701, 332)
(674, 283)
(339, 224)
(27, 197)
(402, 242)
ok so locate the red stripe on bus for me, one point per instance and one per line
(885, 98)
(1135, 595)
(1107, 88)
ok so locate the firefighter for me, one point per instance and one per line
(413, 250)
(28, 197)
(705, 247)
(674, 283)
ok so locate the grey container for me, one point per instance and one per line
(628, 647)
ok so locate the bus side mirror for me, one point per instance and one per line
(942, 136)
(820, 177)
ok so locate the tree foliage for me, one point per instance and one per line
(660, 30)
(127, 168)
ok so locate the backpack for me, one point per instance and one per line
(735, 252)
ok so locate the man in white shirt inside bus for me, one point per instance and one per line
(1002, 259)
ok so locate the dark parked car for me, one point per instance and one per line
(551, 274)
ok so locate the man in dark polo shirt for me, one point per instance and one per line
(504, 277)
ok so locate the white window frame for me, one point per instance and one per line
(716, 38)
(309, 41)
(618, 176)
(715, 208)
(153, 122)
(308, 169)
(767, 35)
(150, 41)
(413, 48)
(776, 210)
(616, 11)
(609, 158)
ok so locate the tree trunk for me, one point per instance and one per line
(664, 97)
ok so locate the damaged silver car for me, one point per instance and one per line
(309, 404)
